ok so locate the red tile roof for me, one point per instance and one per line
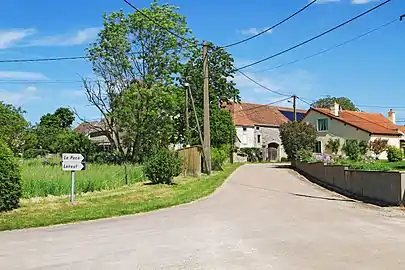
(374, 123)
(401, 129)
(247, 114)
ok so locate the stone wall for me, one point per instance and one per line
(372, 186)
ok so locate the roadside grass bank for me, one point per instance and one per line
(41, 180)
(126, 200)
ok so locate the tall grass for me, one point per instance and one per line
(42, 178)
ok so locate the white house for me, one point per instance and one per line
(257, 126)
(335, 123)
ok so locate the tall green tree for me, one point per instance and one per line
(297, 136)
(344, 102)
(137, 63)
(222, 90)
(12, 126)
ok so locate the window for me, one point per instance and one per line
(244, 129)
(257, 128)
(318, 147)
(323, 124)
(258, 138)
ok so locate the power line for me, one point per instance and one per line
(271, 27)
(262, 86)
(38, 82)
(161, 26)
(42, 59)
(317, 36)
(261, 105)
(331, 48)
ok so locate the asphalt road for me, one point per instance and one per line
(261, 218)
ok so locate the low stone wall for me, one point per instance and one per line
(371, 186)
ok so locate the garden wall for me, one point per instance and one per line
(371, 186)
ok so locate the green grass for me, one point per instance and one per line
(136, 198)
(39, 180)
(378, 165)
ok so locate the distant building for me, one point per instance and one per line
(257, 126)
(93, 131)
(335, 123)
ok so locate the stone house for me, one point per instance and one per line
(257, 126)
(93, 132)
(335, 123)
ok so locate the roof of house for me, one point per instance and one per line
(247, 114)
(86, 127)
(401, 129)
(374, 123)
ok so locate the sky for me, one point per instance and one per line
(370, 71)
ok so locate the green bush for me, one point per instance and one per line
(305, 155)
(297, 136)
(162, 166)
(218, 157)
(394, 154)
(253, 154)
(10, 177)
(353, 149)
(34, 153)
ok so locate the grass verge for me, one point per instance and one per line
(39, 180)
(127, 200)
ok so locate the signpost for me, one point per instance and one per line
(73, 163)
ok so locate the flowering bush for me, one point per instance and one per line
(324, 158)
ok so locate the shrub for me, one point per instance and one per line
(253, 154)
(333, 145)
(162, 166)
(363, 147)
(378, 146)
(219, 155)
(297, 136)
(352, 149)
(284, 159)
(305, 155)
(10, 177)
(394, 154)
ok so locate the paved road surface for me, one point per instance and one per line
(262, 218)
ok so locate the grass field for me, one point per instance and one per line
(39, 180)
(125, 200)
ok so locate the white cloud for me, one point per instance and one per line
(19, 98)
(22, 75)
(82, 36)
(254, 31)
(9, 38)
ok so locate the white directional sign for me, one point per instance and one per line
(72, 166)
(72, 158)
(73, 162)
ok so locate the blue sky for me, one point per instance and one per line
(370, 71)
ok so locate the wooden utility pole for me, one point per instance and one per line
(207, 131)
(295, 107)
(187, 86)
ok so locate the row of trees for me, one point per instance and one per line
(53, 133)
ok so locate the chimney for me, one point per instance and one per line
(391, 116)
(335, 109)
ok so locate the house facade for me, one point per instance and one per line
(257, 126)
(343, 125)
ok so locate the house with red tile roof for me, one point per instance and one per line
(335, 123)
(257, 126)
